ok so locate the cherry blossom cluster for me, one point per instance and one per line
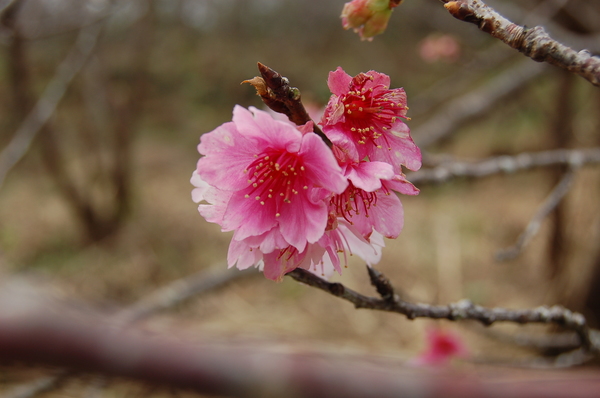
(293, 201)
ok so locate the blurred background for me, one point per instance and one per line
(99, 204)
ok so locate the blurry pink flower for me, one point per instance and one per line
(364, 118)
(367, 17)
(442, 346)
(265, 178)
(437, 47)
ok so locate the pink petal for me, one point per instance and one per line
(320, 164)
(242, 255)
(227, 154)
(339, 81)
(385, 217)
(368, 175)
(302, 222)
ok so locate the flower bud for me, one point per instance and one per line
(367, 17)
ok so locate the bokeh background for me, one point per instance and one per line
(99, 207)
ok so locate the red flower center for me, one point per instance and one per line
(276, 176)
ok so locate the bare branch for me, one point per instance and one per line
(505, 164)
(475, 103)
(535, 223)
(533, 42)
(50, 98)
(461, 310)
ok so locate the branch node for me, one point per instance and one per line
(382, 284)
(460, 309)
(337, 289)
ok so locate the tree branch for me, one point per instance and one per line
(533, 42)
(505, 164)
(461, 310)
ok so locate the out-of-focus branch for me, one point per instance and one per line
(180, 290)
(46, 105)
(447, 171)
(36, 330)
(475, 103)
(461, 310)
(162, 299)
(4, 4)
(549, 204)
(533, 42)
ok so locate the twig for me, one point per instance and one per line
(475, 103)
(46, 105)
(461, 310)
(505, 164)
(533, 42)
(549, 204)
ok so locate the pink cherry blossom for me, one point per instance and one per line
(442, 346)
(365, 118)
(265, 175)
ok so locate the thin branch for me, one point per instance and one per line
(461, 310)
(549, 204)
(475, 103)
(505, 164)
(49, 100)
(533, 42)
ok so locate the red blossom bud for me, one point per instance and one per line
(367, 17)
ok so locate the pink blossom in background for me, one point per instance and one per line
(436, 47)
(441, 347)
(366, 119)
